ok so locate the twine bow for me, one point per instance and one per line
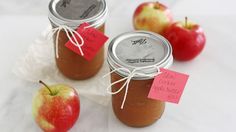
(69, 31)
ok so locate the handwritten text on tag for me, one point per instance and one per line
(168, 86)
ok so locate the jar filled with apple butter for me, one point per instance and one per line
(73, 13)
(135, 58)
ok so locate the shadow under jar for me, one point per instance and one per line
(72, 13)
(142, 53)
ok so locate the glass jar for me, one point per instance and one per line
(142, 53)
(72, 13)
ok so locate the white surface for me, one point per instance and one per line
(208, 100)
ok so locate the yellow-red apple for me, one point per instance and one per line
(152, 16)
(56, 108)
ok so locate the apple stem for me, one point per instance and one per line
(186, 22)
(51, 93)
(157, 6)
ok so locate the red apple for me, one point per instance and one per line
(152, 16)
(56, 108)
(187, 39)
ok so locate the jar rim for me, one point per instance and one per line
(56, 19)
(115, 63)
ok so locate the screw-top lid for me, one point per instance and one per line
(75, 12)
(141, 50)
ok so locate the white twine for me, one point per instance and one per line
(69, 31)
(95, 25)
(131, 74)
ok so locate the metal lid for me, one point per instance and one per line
(75, 12)
(141, 50)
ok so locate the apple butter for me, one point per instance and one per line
(137, 56)
(72, 13)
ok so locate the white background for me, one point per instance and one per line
(208, 103)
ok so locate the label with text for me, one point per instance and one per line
(145, 60)
(168, 86)
(88, 11)
(139, 41)
(93, 41)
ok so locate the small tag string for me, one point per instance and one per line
(95, 24)
(69, 31)
(127, 80)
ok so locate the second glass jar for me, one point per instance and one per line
(134, 59)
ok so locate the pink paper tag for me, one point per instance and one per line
(93, 41)
(168, 86)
